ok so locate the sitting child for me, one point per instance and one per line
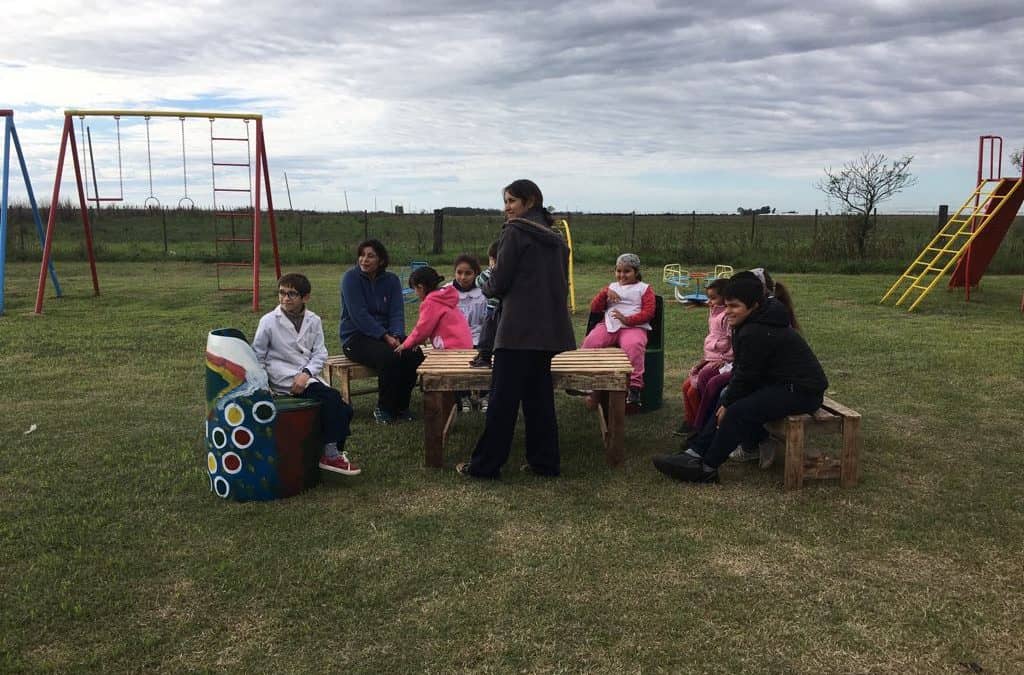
(440, 320)
(775, 374)
(485, 343)
(717, 354)
(473, 305)
(628, 305)
(289, 344)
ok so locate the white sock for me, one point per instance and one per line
(331, 450)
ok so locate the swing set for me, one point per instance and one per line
(229, 185)
(11, 136)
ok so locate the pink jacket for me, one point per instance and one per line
(441, 322)
(718, 343)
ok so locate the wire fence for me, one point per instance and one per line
(792, 242)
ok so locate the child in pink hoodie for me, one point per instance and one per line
(440, 320)
(707, 378)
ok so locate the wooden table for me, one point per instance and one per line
(605, 371)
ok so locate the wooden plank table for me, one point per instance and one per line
(605, 371)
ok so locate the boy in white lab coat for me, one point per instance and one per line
(289, 344)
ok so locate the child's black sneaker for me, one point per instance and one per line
(633, 397)
(480, 361)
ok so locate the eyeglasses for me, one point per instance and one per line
(291, 295)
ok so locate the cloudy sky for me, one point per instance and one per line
(609, 106)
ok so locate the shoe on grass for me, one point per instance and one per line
(382, 416)
(340, 463)
(683, 429)
(633, 397)
(466, 405)
(741, 455)
(534, 471)
(405, 416)
(483, 405)
(686, 468)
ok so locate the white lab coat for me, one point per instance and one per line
(283, 353)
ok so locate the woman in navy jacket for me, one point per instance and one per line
(373, 324)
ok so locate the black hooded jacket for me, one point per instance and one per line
(767, 350)
(531, 278)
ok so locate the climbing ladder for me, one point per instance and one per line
(990, 209)
(234, 215)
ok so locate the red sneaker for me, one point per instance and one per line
(340, 464)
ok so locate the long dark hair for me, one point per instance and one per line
(774, 289)
(528, 191)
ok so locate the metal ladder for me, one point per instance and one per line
(239, 233)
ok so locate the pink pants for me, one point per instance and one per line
(633, 341)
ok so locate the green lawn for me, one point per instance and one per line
(114, 556)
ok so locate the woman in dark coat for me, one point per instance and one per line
(531, 279)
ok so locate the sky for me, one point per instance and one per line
(608, 106)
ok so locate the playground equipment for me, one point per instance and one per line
(682, 280)
(11, 134)
(971, 237)
(252, 190)
(562, 227)
(409, 295)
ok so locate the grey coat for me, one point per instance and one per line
(532, 280)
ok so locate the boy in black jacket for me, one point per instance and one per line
(775, 374)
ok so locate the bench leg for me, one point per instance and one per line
(435, 416)
(614, 450)
(344, 386)
(794, 474)
(850, 452)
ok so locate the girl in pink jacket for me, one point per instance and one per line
(440, 320)
(697, 387)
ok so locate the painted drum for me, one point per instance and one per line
(299, 444)
(257, 448)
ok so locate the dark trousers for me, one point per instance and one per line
(744, 421)
(519, 377)
(335, 414)
(485, 345)
(396, 372)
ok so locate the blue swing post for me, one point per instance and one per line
(11, 134)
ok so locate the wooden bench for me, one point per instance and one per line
(605, 371)
(339, 372)
(799, 464)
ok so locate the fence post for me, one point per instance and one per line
(693, 227)
(815, 226)
(366, 223)
(163, 225)
(438, 230)
(301, 223)
(632, 235)
(753, 226)
(943, 216)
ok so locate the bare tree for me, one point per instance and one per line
(864, 183)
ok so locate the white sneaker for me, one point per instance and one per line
(483, 405)
(466, 405)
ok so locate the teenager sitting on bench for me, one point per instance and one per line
(775, 374)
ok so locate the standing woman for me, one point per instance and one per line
(531, 279)
(373, 325)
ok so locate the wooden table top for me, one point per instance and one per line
(579, 368)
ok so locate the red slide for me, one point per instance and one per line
(984, 247)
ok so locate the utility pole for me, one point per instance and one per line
(288, 190)
(346, 200)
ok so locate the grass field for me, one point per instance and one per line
(115, 557)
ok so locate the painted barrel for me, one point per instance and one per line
(257, 447)
(299, 444)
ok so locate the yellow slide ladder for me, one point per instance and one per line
(562, 227)
(950, 243)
